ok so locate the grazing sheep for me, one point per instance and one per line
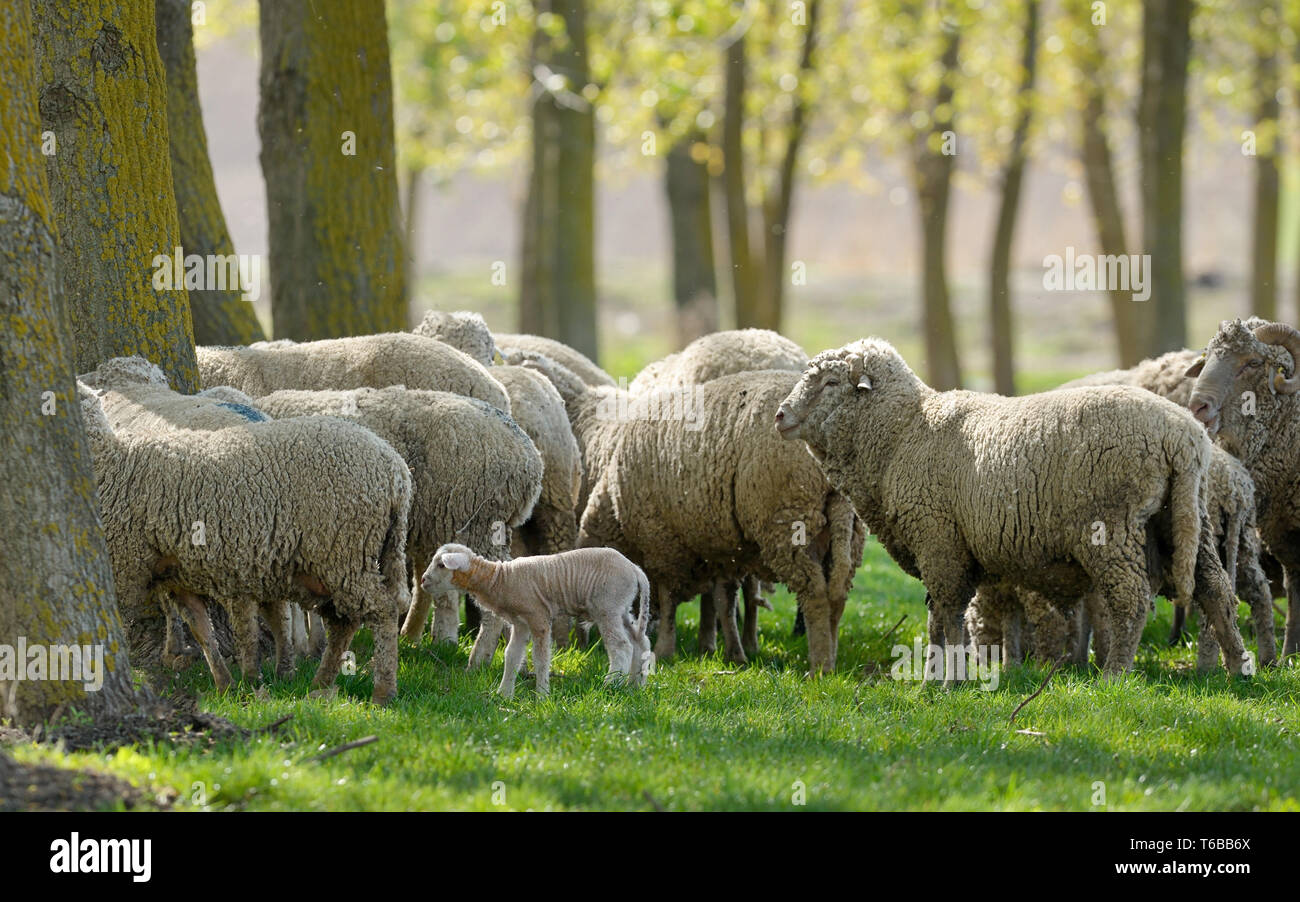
(365, 361)
(463, 330)
(1018, 622)
(1060, 492)
(721, 354)
(311, 509)
(595, 584)
(695, 487)
(475, 475)
(1245, 394)
(574, 361)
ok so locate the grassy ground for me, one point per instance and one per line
(704, 735)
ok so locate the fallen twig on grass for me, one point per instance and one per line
(274, 725)
(345, 747)
(651, 799)
(885, 638)
(1055, 665)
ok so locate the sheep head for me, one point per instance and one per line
(119, 372)
(464, 330)
(837, 383)
(1242, 381)
(448, 560)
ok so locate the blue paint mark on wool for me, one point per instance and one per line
(248, 413)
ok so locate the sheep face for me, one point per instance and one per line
(1242, 382)
(122, 371)
(447, 561)
(463, 330)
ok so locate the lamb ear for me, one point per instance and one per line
(864, 382)
(1195, 369)
(455, 560)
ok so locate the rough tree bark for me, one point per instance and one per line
(932, 170)
(558, 282)
(1099, 172)
(695, 285)
(744, 278)
(1166, 46)
(220, 316)
(103, 103)
(56, 582)
(1004, 364)
(337, 262)
(1263, 282)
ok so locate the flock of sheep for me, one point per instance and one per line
(314, 487)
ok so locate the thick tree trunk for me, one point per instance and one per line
(1263, 282)
(56, 582)
(1099, 174)
(558, 287)
(695, 285)
(1166, 46)
(221, 315)
(740, 254)
(103, 104)
(337, 263)
(933, 172)
(1004, 365)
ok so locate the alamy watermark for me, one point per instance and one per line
(208, 272)
(26, 662)
(1090, 272)
(678, 403)
(961, 663)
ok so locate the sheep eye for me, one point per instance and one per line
(830, 382)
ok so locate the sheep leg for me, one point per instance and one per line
(279, 618)
(446, 617)
(1255, 590)
(642, 658)
(489, 637)
(1291, 638)
(1180, 625)
(514, 656)
(561, 626)
(243, 620)
(1127, 593)
(315, 634)
(195, 614)
(618, 645)
(417, 616)
(1216, 595)
(1082, 632)
(175, 654)
(1099, 619)
(297, 629)
(1207, 648)
(817, 616)
(383, 659)
(1012, 625)
(724, 602)
(542, 657)
(708, 622)
(753, 600)
(666, 641)
(338, 639)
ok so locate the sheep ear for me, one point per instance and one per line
(1195, 369)
(456, 560)
(864, 382)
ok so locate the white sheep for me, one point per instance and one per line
(592, 584)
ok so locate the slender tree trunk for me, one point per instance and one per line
(933, 172)
(326, 122)
(744, 278)
(1263, 292)
(1099, 173)
(56, 581)
(1166, 46)
(558, 291)
(695, 286)
(103, 106)
(414, 176)
(1004, 365)
(221, 315)
(776, 211)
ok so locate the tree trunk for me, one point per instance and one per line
(1166, 46)
(933, 172)
(103, 103)
(1004, 365)
(776, 211)
(326, 122)
(414, 176)
(1263, 283)
(558, 287)
(220, 314)
(695, 286)
(1099, 175)
(56, 582)
(744, 283)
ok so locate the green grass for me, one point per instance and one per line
(703, 737)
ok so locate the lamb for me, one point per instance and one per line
(596, 584)
(1059, 493)
(573, 361)
(312, 509)
(696, 488)
(720, 354)
(1245, 394)
(463, 330)
(365, 361)
(475, 476)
